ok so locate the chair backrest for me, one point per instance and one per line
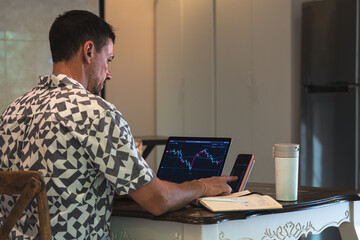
(28, 184)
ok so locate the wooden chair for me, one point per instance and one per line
(28, 184)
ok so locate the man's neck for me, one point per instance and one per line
(73, 69)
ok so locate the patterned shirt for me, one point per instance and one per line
(85, 150)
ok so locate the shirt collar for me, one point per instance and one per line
(57, 80)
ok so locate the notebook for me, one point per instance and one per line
(189, 158)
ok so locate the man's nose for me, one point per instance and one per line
(108, 76)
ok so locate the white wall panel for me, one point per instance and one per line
(132, 88)
(184, 67)
(198, 67)
(169, 69)
(272, 104)
(234, 86)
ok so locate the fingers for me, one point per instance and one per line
(229, 178)
(224, 178)
(218, 185)
(226, 191)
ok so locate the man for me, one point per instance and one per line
(81, 143)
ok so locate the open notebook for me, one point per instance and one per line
(239, 201)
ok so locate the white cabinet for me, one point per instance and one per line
(229, 68)
(184, 67)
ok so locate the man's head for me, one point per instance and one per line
(72, 29)
(82, 32)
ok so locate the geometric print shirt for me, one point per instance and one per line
(85, 150)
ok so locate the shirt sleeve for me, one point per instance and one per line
(112, 149)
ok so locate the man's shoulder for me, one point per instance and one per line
(90, 100)
(78, 103)
(68, 101)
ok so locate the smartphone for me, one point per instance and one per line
(242, 168)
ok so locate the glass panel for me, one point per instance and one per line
(21, 67)
(2, 72)
(24, 46)
(23, 36)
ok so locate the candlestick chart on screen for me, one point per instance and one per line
(194, 160)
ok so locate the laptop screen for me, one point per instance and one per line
(189, 158)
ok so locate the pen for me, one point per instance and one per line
(225, 200)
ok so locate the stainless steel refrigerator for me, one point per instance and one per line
(329, 128)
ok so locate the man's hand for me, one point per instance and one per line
(217, 185)
(160, 196)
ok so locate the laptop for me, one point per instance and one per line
(189, 158)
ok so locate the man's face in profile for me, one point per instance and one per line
(99, 68)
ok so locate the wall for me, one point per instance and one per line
(132, 88)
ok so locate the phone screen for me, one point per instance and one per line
(241, 168)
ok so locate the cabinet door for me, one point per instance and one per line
(234, 108)
(224, 68)
(169, 76)
(185, 67)
(254, 82)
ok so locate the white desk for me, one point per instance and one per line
(316, 210)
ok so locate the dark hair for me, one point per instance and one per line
(72, 29)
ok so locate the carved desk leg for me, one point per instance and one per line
(351, 230)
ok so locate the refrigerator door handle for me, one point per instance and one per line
(329, 88)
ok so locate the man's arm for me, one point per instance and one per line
(160, 196)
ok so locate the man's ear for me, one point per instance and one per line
(88, 51)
